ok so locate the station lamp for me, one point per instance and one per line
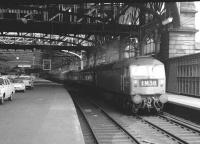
(167, 21)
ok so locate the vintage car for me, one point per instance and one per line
(6, 89)
(19, 85)
(28, 81)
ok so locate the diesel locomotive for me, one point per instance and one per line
(134, 84)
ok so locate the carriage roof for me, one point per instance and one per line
(138, 61)
(144, 60)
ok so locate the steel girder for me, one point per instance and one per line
(44, 39)
(98, 21)
(46, 47)
(16, 2)
(64, 28)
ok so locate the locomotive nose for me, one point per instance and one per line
(163, 98)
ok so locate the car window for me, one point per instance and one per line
(1, 81)
(18, 81)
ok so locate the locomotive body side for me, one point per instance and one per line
(109, 80)
(138, 83)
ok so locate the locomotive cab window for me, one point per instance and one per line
(146, 70)
(138, 70)
(158, 71)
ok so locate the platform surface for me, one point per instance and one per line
(184, 100)
(44, 115)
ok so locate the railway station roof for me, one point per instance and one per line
(84, 20)
(82, 1)
(77, 25)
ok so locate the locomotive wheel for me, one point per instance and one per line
(134, 109)
(159, 107)
(116, 101)
(130, 106)
(123, 104)
(127, 104)
(160, 110)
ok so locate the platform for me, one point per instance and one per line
(44, 115)
(183, 100)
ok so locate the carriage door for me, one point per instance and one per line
(125, 80)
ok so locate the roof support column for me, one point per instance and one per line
(157, 41)
(142, 44)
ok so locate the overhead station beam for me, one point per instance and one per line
(11, 2)
(45, 47)
(8, 25)
(47, 38)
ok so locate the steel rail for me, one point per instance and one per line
(115, 122)
(181, 122)
(85, 117)
(168, 133)
(134, 140)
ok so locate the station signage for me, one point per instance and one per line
(24, 65)
(46, 64)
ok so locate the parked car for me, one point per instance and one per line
(19, 85)
(27, 81)
(12, 76)
(6, 89)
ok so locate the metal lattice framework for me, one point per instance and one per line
(78, 26)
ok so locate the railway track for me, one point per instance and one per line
(87, 133)
(104, 128)
(178, 130)
(181, 120)
(109, 126)
(161, 129)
